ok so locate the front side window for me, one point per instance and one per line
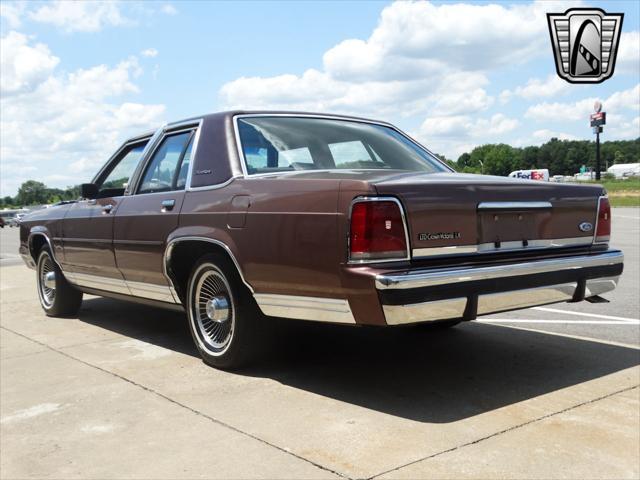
(118, 177)
(276, 144)
(169, 165)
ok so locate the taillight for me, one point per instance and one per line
(603, 222)
(377, 231)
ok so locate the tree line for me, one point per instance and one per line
(33, 192)
(561, 157)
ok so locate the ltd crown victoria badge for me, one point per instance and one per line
(585, 43)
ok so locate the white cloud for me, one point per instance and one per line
(414, 38)
(410, 53)
(67, 123)
(149, 52)
(81, 16)
(169, 9)
(580, 110)
(23, 66)
(12, 13)
(534, 88)
(420, 58)
(544, 135)
(463, 126)
(628, 59)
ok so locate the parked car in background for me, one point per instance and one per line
(238, 216)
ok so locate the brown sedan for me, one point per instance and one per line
(239, 215)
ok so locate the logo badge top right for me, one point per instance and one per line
(585, 43)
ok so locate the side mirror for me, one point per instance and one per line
(89, 191)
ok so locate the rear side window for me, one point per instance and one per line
(167, 170)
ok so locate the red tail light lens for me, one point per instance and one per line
(603, 223)
(377, 231)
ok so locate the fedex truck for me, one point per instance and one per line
(538, 174)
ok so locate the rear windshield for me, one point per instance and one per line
(281, 144)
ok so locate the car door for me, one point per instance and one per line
(88, 225)
(145, 219)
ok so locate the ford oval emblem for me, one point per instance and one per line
(585, 227)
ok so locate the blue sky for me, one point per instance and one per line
(78, 78)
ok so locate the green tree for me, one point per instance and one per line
(32, 192)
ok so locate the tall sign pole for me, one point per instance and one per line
(598, 119)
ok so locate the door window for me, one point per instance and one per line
(118, 177)
(169, 165)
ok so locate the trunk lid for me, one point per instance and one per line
(457, 213)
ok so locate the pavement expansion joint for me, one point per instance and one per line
(507, 430)
(178, 404)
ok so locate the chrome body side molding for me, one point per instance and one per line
(442, 276)
(504, 247)
(170, 246)
(97, 282)
(318, 309)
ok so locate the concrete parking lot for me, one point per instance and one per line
(119, 392)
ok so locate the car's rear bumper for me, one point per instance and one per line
(414, 296)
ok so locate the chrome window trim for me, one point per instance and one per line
(214, 186)
(515, 246)
(442, 276)
(243, 160)
(131, 142)
(172, 243)
(404, 223)
(514, 205)
(318, 309)
(169, 130)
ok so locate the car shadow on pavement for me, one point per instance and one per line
(434, 376)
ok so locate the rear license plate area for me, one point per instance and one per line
(499, 227)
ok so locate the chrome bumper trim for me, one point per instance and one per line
(424, 312)
(305, 308)
(428, 278)
(514, 205)
(598, 286)
(499, 302)
(510, 246)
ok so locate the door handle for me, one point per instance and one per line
(168, 205)
(107, 208)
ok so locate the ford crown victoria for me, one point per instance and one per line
(237, 216)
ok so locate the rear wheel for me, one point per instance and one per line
(223, 317)
(57, 296)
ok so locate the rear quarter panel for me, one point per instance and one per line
(292, 241)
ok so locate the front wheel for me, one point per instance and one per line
(223, 317)
(57, 296)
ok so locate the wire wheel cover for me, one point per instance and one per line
(213, 310)
(46, 281)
